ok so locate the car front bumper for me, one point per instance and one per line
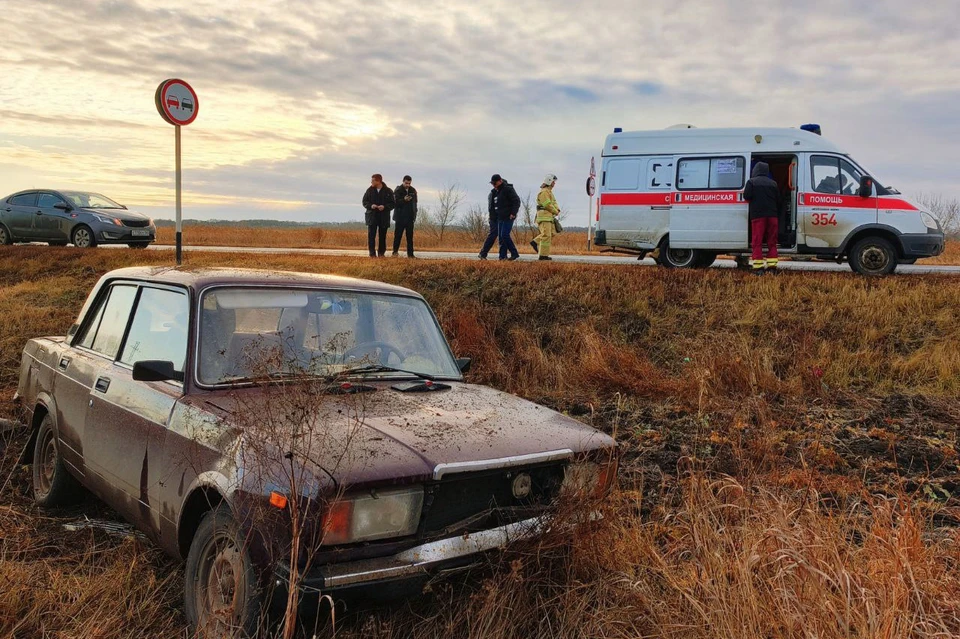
(929, 244)
(125, 235)
(441, 555)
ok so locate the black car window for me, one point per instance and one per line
(24, 199)
(159, 328)
(48, 200)
(113, 323)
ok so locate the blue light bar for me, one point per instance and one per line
(812, 128)
(618, 130)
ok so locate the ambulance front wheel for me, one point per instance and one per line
(873, 256)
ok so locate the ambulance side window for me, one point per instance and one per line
(623, 174)
(701, 174)
(825, 173)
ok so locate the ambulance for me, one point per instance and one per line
(680, 190)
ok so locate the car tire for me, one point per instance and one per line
(53, 485)
(222, 597)
(57, 243)
(873, 256)
(5, 236)
(83, 237)
(678, 258)
(138, 245)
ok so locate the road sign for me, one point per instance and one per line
(591, 189)
(593, 168)
(591, 186)
(177, 102)
(178, 105)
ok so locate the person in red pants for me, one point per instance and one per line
(763, 194)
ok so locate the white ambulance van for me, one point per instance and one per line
(680, 190)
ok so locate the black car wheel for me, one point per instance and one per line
(677, 257)
(221, 594)
(5, 237)
(53, 485)
(873, 256)
(83, 237)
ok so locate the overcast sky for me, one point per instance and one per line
(301, 101)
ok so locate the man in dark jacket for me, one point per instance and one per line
(505, 204)
(405, 214)
(378, 202)
(763, 194)
(494, 227)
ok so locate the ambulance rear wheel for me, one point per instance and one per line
(678, 258)
(706, 259)
(873, 256)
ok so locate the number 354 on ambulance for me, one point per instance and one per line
(680, 190)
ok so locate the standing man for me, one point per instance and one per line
(405, 214)
(378, 202)
(494, 228)
(547, 212)
(506, 203)
(763, 194)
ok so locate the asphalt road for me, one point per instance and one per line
(915, 269)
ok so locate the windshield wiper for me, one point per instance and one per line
(380, 368)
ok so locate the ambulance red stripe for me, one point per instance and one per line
(827, 200)
(636, 199)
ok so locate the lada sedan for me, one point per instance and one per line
(285, 432)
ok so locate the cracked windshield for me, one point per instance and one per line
(255, 333)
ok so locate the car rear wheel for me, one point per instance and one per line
(678, 258)
(873, 256)
(5, 237)
(221, 594)
(53, 485)
(83, 237)
(138, 245)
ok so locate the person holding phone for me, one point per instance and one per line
(405, 214)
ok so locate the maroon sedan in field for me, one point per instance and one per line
(285, 429)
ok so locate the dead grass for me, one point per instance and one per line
(789, 454)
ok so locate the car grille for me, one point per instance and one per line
(476, 501)
(136, 223)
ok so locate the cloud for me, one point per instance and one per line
(300, 102)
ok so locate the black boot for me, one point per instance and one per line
(536, 249)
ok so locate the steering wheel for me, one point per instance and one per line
(366, 348)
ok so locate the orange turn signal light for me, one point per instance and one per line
(278, 500)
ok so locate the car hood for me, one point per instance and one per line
(121, 214)
(391, 435)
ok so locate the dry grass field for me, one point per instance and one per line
(789, 456)
(567, 243)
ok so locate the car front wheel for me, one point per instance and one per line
(221, 594)
(873, 256)
(53, 485)
(5, 237)
(83, 237)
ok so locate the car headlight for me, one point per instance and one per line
(589, 479)
(378, 514)
(108, 220)
(929, 220)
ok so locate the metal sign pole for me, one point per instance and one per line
(589, 223)
(179, 210)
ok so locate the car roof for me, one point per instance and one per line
(205, 277)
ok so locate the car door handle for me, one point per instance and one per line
(64, 363)
(102, 384)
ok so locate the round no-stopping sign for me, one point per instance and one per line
(591, 186)
(177, 102)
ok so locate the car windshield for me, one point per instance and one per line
(261, 333)
(83, 200)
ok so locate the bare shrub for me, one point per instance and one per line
(476, 223)
(449, 201)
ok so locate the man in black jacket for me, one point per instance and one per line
(405, 214)
(505, 203)
(763, 194)
(377, 202)
(494, 227)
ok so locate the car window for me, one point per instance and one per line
(159, 328)
(113, 322)
(47, 201)
(701, 174)
(825, 173)
(24, 199)
(91, 330)
(849, 178)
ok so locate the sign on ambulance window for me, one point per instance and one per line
(622, 175)
(701, 174)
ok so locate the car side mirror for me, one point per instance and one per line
(156, 370)
(63, 206)
(464, 363)
(866, 186)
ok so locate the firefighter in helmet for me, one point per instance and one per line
(547, 212)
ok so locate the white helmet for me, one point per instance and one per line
(549, 179)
